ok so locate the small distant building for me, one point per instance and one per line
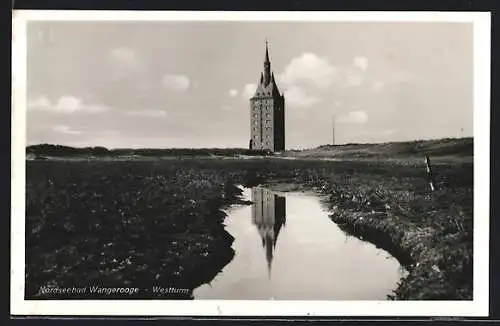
(267, 113)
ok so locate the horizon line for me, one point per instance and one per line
(245, 148)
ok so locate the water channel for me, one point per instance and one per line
(287, 248)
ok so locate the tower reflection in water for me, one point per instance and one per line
(269, 216)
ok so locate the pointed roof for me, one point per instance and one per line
(269, 89)
(274, 88)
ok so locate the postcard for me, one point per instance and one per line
(250, 163)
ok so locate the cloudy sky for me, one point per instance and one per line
(187, 84)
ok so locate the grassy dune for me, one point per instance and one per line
(440, 149)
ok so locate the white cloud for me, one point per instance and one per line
(396, 78)
(124, 62)
(65, 104)
(233, 93)
(66, 130)
(311, 69)
(360, 62)
(40, 102)
(249, 90)
(296, 96)
(353, 78)
(147, 113)
(68, 104)
(178, 83)
(124, 56)
(356, 117)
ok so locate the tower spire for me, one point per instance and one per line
(267, 53)
(267, 68)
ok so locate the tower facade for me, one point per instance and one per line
(267, 113)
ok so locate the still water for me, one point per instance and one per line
(287, 248)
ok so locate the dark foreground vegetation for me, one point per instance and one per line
(145, 224)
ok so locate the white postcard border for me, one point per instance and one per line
(477, 307)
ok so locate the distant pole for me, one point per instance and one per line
(430, 176)
(333, 130)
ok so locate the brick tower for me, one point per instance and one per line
(267, 113)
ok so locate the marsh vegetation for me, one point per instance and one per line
(161, 222)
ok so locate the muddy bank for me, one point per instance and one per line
(430, 277)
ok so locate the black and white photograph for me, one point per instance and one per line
(219, 163)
